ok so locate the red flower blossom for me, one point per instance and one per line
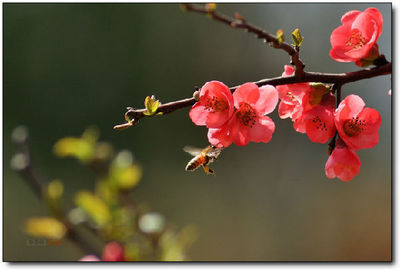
(290, 95)
(215, 106)
(249, 122)
(319, 124)
(316, 114)
(113, 252)
(343, 163)
(355, 38)
(357, 126)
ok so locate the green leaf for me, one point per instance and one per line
(151, 105)
(280, 36)
(297, 38)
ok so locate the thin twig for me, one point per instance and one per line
(261, 34)
(337, 89)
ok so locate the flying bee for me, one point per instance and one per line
(202, 157)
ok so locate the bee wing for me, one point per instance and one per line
(194, 151)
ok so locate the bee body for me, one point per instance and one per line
(202, 157)
(195, 162)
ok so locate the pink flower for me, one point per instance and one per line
(249, 122)
(343, 163)
(215, 106)
(319, 124)
(313, 115)
(113, 252)
(357, 126)
(355, 38)
(290, 95)
(89, 258)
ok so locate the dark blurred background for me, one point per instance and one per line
(70, 66)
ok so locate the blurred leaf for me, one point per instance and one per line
(126, 178)
(55, 189)
(94, 207)
(81, 148)
(174, 244)
(297, 38)
(45, 227)
(122, 225)
(124, 174)
(106, 192)
(132, 251)
(91, 135)
(171, 250)
(74, 147)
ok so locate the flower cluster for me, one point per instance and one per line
(357, 128)
(241, 117)
(355, 40)
(237, 118)
(311, 106)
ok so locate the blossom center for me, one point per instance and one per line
(291, 96)
(356, 40)
(354, 126)
(216, 104)
(246, 115)
(319, 124)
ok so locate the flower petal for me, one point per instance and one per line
(350, 107)
(350, 16)
(267, 101)
(248, 93)
(369, 137)
(217, 119)
(219, 137)
(285, 110)
(320, 124)
(262, 130)
(198, 114)
(239, 133)
(218, 89)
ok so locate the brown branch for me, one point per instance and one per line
(261, 34)
(338, 78)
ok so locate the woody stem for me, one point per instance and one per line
(333, 78)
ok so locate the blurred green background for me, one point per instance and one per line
(70, 66)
